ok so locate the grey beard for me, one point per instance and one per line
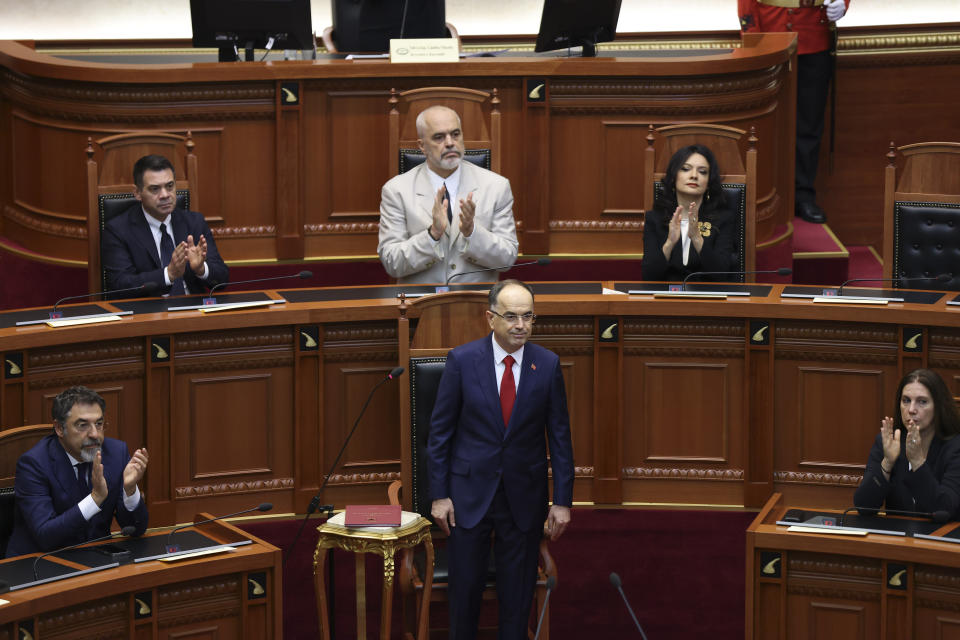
(88, 455)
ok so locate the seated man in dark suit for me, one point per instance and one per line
(154, 241)
(71, 485)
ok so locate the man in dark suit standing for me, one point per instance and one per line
(154, 241)
(501, 401)
(73, 483)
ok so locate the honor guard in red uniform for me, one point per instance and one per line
(814, 22)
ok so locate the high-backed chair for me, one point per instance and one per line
(331, 43)
(736, 155)
(921, 215)
(110, 185)
(441, 323)
(479, 116)
(13, 443)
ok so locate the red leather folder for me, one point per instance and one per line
(372, 515)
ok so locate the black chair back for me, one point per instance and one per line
(736, 196)
(110, 205)
(8, 508)
(425, 374)
(410, 158)
(926, 243)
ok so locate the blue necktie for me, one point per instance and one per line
(83, 472)
(166, 254)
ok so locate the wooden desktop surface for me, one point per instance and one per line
(213, 591)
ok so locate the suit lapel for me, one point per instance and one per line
(140, 231)
(468, 185)
(485, 369)
(179, 223)
(424, 194)
(64, 472)
(528, 379)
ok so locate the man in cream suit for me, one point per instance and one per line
(445, 217)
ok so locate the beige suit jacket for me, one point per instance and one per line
(406, 249)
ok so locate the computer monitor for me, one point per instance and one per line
(575, 23)
(249, 24)
(368, 25)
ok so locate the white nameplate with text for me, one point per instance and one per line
(424, 50)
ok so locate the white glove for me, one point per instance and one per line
(836, 9)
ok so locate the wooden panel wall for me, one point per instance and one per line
(670, 401)
(301, 181)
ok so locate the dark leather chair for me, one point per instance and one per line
(479, 115)
(410, 158)
(441, 322)
(13, 443)
(110, 186)
(739, 177)
(921, 225)
(736, 194)
(425, 374)
(110, 205)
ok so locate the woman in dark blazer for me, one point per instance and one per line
(690, 228)
(914, 464)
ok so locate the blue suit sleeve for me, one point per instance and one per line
(138, 518)
(443, 424)
(34, 496)
(558, 438)
(120, 266)
(219, 272)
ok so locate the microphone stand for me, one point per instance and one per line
(315, 501)
(539, 261)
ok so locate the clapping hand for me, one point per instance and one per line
(891, 443)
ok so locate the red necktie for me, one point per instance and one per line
(508, 390)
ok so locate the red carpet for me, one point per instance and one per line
(683, 572)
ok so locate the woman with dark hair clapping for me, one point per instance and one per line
(915, 461)
(690, 228)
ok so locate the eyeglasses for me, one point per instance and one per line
(84, 427)
(511, 318)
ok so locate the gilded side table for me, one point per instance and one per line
(413, 530)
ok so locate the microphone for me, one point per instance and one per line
(303, 275)
(551, 583)
(782, 271)
(147, 288)
(540, 261)
(939, 516)
(127, 531)
(940, 278)
(173, 548)
(403, 19)
(395, 373)
(618, 584)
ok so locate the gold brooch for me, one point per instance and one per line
(705, 228)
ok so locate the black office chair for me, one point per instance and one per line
(739, 175)
(921, 227)
(13, 443)
(410, 158)
(479, 115)
(110, 205)
(109, 167)
(425, 374)
(736, 195)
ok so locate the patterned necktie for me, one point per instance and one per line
(446, 194)
(83, 474)
(166, 254)
(508, 390)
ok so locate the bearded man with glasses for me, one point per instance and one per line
(72, 484)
